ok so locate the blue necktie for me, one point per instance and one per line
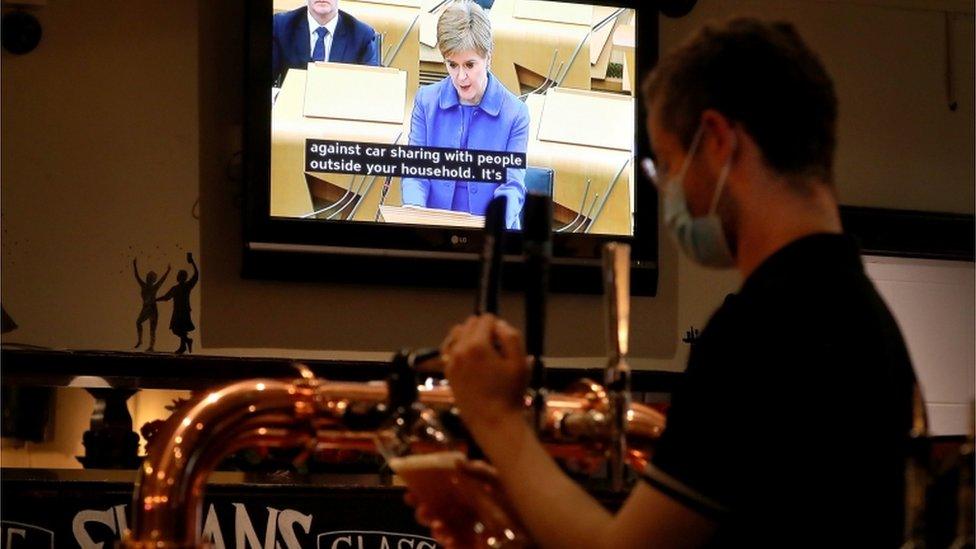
(318, 52)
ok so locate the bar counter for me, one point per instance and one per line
(323, 505)
(135, 370)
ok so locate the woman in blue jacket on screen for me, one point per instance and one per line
(470, 109)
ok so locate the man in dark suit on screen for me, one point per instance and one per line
(320, 31)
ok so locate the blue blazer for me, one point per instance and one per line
(354, 42)
(500, 123)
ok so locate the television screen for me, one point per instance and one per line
(388, 126)
(385, 113)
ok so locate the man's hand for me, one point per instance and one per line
(491, 506)
(486, 366)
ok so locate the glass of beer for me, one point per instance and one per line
(437, 484)
(470, 507)
(429, 461)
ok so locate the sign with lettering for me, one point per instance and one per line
(27, 536)
(372, 540)
(94, 515)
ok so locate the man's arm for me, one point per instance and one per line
(556, 511)
(371, 52)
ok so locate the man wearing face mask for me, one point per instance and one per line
(790, 428)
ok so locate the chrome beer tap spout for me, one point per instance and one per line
(616, 276)
(412, 423)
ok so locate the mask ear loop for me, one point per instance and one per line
(691, 154)
(722, 176)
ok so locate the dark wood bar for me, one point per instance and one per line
(126, 370)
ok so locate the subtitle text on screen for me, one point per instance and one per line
(385, 160)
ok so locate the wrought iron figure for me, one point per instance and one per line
(148, 289)
(181, 323)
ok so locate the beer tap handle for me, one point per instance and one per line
(616, 275)
(427, 362)
(408, 365)
(538, 251)
(489, 285)
(402, 383)
(402, 394)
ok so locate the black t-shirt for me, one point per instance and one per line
(790, 427)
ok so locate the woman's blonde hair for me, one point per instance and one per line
(464, 26)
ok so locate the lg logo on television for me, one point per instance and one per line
(458, 240)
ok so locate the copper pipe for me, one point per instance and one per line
(169, 490)
(308, 412)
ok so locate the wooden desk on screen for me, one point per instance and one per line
(398, 22)
(533, 38)
(416, 215)
(586, 135)
(332, 101)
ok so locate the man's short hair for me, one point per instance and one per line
(464, 26)
(760, 75)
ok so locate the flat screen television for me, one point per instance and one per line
(378, 130)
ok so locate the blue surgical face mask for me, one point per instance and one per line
(701, 238)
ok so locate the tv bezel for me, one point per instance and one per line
(314, 249)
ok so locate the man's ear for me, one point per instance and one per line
(719, 138)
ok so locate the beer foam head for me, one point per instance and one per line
(439, 460)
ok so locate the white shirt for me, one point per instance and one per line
(313, 25)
